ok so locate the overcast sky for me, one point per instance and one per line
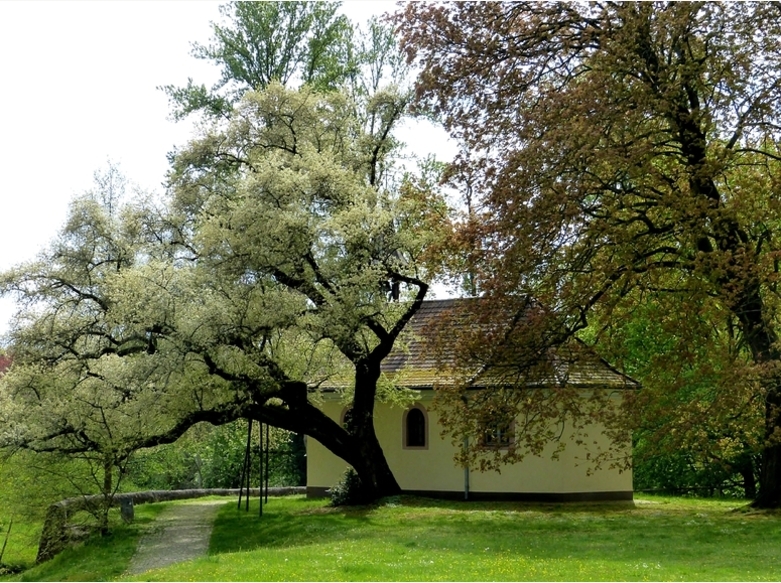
(79, 88)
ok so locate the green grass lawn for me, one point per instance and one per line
(421, 539)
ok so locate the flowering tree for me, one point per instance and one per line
(268, 273)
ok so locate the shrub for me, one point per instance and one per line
(349, 491)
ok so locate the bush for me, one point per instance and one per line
(684, 473)
(349, 491)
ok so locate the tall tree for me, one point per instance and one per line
(295, 44)
(260, 42)
(265, 277)
(625, 149)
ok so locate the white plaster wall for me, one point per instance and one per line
(433, 469)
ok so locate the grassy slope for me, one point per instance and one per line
(28, 485)
(99, 558)
(660, 539)
(22, 540)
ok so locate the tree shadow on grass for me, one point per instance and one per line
(411, 531)
(301, 522)
(284, 524)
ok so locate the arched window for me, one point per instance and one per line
(415, 429)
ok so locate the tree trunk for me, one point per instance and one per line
(370, 463)
(770, 470)
(376, 476)
(108, 475)
(769, 484)
(761, 339)
(746, 470)
(108, 487)
(363, 452)
(357, 445)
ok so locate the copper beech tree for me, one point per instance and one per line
(620, 152)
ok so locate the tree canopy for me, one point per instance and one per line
(266, 274)
(621, 152)
(261, 42)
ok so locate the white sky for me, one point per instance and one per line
(79, 86)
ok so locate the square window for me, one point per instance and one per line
(497, 435)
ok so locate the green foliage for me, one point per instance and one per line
(277, 41)
(686, 473)
(224, 456)
(349, 491)
(29, 483)
(291, 43)
(213, 457)
(697, 427)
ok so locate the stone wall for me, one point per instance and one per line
(54, 536)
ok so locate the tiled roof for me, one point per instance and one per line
(431, 344)
(419, 354)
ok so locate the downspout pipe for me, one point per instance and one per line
(466, 470)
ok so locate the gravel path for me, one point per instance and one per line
(180, 533)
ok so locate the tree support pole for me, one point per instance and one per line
(260, 468)
(245, 469)
(267, 453)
